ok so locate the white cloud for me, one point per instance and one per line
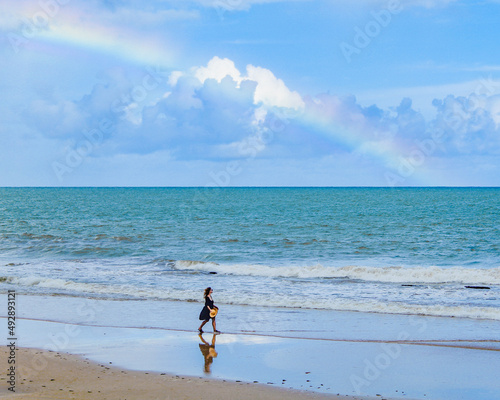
(494, 109)
(56, 120)
(259, 116)
(174, 77)
(218, 69)
(469, 124)
(422, 96)
(270, 91)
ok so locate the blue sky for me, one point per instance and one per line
(250, 93)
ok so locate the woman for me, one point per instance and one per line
(205, 313)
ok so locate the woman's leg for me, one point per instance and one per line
(213, 325)
(202, 324)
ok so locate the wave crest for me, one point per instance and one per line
(125, 292)
(410, 275)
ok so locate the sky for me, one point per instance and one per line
(217, 93)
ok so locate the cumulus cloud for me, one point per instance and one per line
(270, 91)
(218, 68)
(216, 112)
(56, 120)
(470, 124)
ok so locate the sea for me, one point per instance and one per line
(412, 251)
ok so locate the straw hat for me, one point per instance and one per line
(212, 352)
(214, 312)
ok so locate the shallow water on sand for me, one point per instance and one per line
(351, 353)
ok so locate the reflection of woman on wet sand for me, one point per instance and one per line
(208, 351)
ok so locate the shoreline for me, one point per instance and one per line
(471, 344)
(356, 355)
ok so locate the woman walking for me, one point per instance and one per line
(208, 310)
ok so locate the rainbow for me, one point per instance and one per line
(357, 136)
(64, 28)
(119, 45)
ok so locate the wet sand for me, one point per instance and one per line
(57, 375)
(306, 353)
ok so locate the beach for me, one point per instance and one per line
(70, 377)
(366, 356)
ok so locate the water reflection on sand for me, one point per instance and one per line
(209, 353)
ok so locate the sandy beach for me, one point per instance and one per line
(66, 376)
(156, 353)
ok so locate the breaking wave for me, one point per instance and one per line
(123, 292)
(410, 275)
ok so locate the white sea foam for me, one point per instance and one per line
(269, 299)
(97, 289)
(374, 306)
(429, 275)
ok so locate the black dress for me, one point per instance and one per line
(205, 312)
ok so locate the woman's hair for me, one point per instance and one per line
(207, 292)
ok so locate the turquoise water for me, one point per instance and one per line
(404, 250)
